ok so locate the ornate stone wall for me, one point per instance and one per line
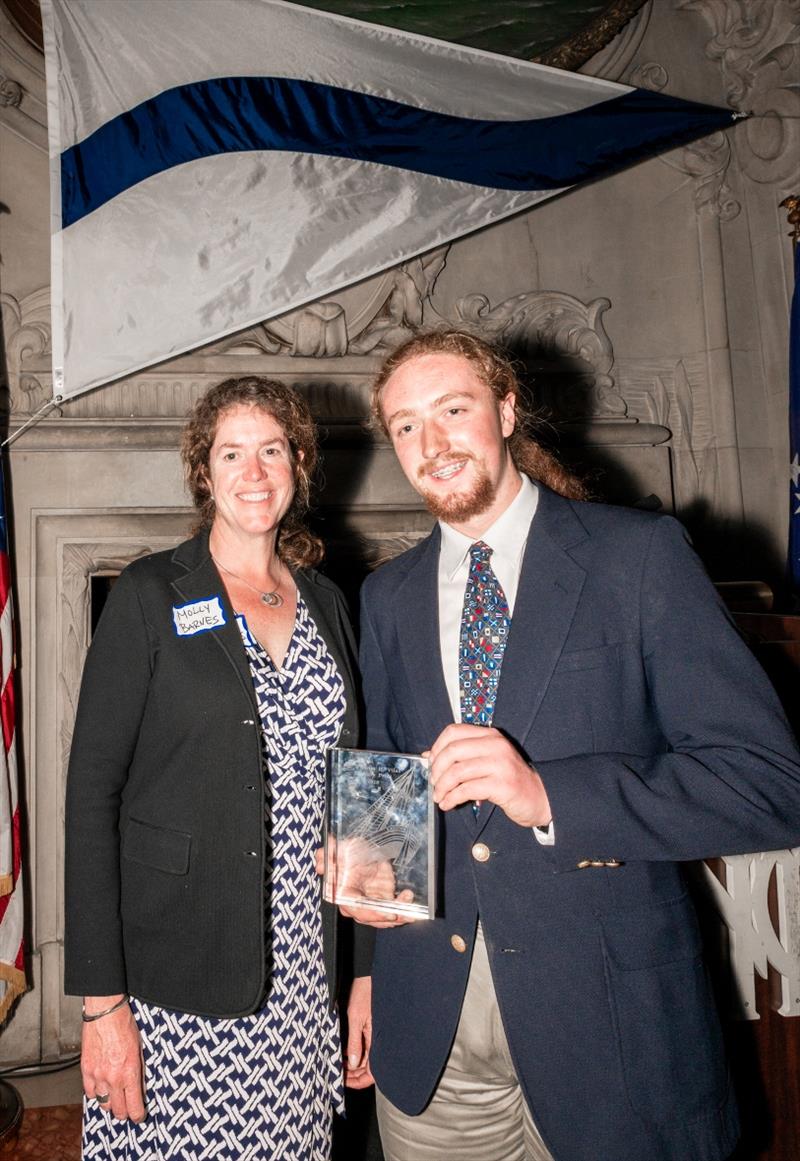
(649, 311)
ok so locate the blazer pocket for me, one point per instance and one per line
(667, 1028)
(646, 937)
(579, 659)
(156, 846)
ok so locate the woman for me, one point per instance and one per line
(218, 675)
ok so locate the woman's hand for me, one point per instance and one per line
(359, 1034)
(372, 878)
(111, 1059)
(369, 917)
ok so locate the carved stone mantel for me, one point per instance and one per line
(561, 337)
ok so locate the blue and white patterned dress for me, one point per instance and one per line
(260, 1087)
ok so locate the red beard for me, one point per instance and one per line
(458, 506)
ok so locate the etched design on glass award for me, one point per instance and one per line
(379, 849)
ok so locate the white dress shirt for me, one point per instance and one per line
(507, 538)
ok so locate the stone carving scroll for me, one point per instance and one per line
(707, 162)
(368, 319)
(404, 307)
(553, 323)
(11, 92)
(649, 75)
(27, 332)
(757, 47)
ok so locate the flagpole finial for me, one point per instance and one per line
(792, 204)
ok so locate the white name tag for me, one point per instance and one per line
(198, 617)
(246, 634)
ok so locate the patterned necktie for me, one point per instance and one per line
(485, 622)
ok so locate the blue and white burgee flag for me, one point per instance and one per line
(794, 430)
(218, 162)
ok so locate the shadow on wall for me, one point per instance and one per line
(570, 412)
(736, 549)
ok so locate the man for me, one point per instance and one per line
(593, 719)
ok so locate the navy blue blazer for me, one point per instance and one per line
(165, 842)
(658, 739)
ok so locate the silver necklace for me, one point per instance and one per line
(273, 599)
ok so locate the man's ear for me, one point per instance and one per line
(508, 414)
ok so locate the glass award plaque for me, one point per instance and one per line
(379, 851)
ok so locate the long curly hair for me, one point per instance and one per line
(497, 372)
(296, 545)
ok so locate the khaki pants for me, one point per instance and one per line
(477, 1112)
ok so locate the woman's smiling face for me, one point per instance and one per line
(250, 471)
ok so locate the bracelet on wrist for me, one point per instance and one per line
(88, 1018)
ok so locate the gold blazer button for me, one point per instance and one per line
(481, 852)
(458, 943)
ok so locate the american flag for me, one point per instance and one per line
(12, 965)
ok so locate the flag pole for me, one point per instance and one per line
(792, 205)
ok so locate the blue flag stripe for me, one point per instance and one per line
(794, 428)
(242, 114)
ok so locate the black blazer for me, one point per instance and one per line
(165, 795)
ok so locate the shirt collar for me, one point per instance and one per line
(507, 537)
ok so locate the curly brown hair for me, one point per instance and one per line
(498, 373)
(297, 546)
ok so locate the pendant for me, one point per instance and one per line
(274, 600)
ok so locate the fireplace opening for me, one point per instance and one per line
(100, 585)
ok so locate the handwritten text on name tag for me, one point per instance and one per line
(198, 617)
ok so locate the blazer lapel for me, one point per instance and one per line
(417, 605)
(202, 581)
(549, 589)
(550, 586)
(416, 613)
